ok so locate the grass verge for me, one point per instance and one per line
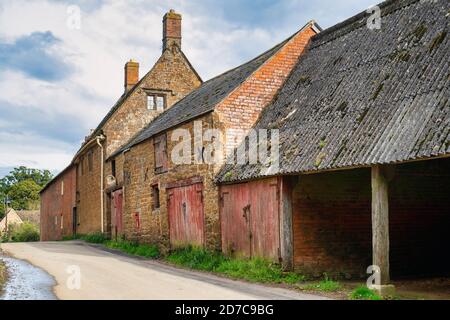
(142, 250)
(253, 270)
(3, 275)
(364, 293)
(325, 285)
(133, 248)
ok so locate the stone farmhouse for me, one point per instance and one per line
(362, 117)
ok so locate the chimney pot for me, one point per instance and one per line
(171, 29)
(131, 74)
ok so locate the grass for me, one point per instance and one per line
(325, 285)
(133, 248)
(94, 238)
(142, 250)
(3, 275)
(253, 270)
(364, 293)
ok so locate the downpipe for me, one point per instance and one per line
(99, 139)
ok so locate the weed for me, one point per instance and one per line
(364, 293)
(142, 250)
(326, 284)
(254, 270)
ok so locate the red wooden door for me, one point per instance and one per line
(249, 214)
(265, 226)
(117, 212)
(186, 219)
(235, 220)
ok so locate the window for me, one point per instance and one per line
(90, 160)
(113, 168)
(62, 187)
(160, 149)
(155, 196)
(156, 102)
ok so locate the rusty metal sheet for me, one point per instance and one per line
(186, 218)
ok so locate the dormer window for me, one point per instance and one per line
(156, 102)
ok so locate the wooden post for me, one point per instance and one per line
(380, 221)
(286, 228)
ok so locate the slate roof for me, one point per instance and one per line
(203, 99)
(360, 97)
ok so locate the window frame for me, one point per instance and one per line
(156, 197)
(113, 168)
(155, 96)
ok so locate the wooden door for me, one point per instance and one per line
(249, 217)
(235, 220)
(186, 218)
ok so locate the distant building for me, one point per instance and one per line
(14, 217)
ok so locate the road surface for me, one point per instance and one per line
(106, 275)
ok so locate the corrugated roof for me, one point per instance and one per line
(203, 99)
(360, 97)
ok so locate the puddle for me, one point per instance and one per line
(26, 282)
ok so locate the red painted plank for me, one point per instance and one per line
(186, 218)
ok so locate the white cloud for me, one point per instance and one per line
(113, 32)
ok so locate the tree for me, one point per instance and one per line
(22, 185)
(25, 195)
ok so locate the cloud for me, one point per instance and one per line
(33, 55)
(57, 82)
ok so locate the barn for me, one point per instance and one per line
(364, 154)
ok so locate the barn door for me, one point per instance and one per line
(117, 212)
(235, 217)
(265, 226)
(186, 219)
(249, 216)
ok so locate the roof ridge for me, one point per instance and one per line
(356, 21)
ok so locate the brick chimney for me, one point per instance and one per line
(171, 29)
(131, 74)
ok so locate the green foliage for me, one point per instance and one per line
(364, 293)
(25, 232)
(254, 270)
(97, 237)
(196, 258)
(142, 250)
(25, 195)
(22, 185)
(326, 285)
(72, 237)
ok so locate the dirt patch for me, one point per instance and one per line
(424, 289)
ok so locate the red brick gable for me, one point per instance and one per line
(241, 109)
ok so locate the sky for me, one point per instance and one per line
(60, 71)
